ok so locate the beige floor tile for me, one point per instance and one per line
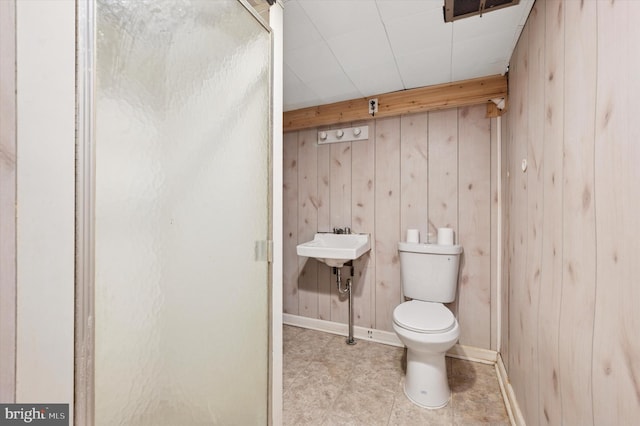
(406, 413)
(327, 382)
(358, 404)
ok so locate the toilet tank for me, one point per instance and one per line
(429, 272)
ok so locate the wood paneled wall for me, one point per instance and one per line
(572, 233)
(8, 177)
(424, 171)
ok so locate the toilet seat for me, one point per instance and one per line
(424, 317)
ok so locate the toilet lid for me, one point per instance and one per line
(424, 317)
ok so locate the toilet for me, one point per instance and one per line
(429, 276)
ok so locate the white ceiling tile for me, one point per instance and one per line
(395, 9)
(298, 29)
(344, 49)
(477, 70)
(332, 18)
(488, 23)
(339, 97)
(418, 32)
(525, 6)
(377, 78)
(361, 48)
(333, 88)
(480, 56)
(296, 93)
(489, 48)
(427, 67)
(312, 61)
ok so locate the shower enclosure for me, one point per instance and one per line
(173, 213)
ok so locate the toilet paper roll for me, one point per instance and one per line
(445, 236)
(413, 236)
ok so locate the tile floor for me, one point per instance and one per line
(327, 382)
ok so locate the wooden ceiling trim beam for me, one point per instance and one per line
(429, 98)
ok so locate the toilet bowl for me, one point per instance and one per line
(429, 275)
(428, 330)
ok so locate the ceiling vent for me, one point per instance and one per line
(458, 9)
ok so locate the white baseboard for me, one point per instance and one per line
(468, 353)
(513, 409)
(362, 333)
(472, 353)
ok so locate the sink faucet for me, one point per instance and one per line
(345, 230)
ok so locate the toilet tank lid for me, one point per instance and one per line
(429, 248)
(424, 317)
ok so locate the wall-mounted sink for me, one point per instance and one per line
(335, 249)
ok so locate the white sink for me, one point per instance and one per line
(335, 249)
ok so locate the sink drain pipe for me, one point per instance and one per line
(347, 289)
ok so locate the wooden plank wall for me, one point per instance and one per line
(572, 227)
(616, 348)
(516, 217)
(424, 170)
(8, 176)
(552, 248)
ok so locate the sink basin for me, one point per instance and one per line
(335, 249)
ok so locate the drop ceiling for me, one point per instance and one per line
(335, 50)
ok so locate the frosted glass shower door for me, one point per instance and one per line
(182, 142)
